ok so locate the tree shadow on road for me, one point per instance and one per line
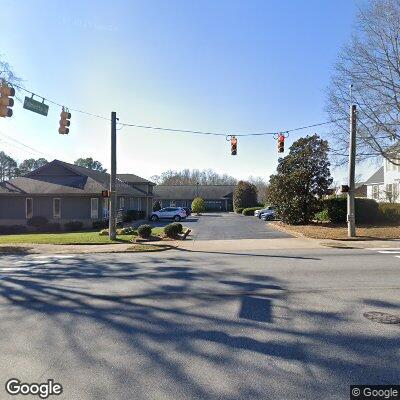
(174, 330)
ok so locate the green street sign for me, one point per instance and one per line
(36, 106)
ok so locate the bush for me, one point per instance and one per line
(244, 195)
(239, 210)
(336, 207)
(389, 212)
(172, 230)
(53, 227)
(131, 215)
(156, 206)
(322, 216)
(38, 222)
(198, 205)
(12, 229)
(103, 232)
(144, 231)
(125, 231)
(250, 210)
(100, 224)
(72, 226)
(141, 214)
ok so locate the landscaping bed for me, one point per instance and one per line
(339, 231)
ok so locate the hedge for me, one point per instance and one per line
(12, 229)
(389, 212)
(239, 210)
(250, 210)
(73, 226)
(133, 215)
(336, 207)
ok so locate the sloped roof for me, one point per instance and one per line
(80, 181)
(189, 192)
(376, 178)
(132, 178)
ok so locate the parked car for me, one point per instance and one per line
(269, 214)
(175, 213)
(258, 213)
(188, 211)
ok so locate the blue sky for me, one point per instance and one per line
(224, 66)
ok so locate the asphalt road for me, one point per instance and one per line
(222, 226)
(193, 325)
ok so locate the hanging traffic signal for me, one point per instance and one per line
(233, 145)
(64, 122)
(281, 143)
(6, 100)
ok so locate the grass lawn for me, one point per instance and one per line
(339, 232)
(84, 237)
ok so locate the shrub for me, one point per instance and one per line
(53, 227)
(12, 229)
(336, 207)
(250, 210)
(141, 214)
(179, 226)
(389, 212)
(103, 232)
(100, 224)
(198, 205)
(156, 206)
(172, 230)
(144, 231)
(73, 226)
(38, 222)
(322, 216)
(125, 231)
(131, 215)
(244, 195)
(239, 210)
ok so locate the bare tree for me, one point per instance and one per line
(371, 63)
(7, 73)
(193, 177)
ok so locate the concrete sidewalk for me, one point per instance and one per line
(205, 245)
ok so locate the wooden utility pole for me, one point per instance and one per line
(351, 220)
(113, 176)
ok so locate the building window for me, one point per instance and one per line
(94, 208)
(139, 204)
(132, 203)
(172, 203)
(375, 192)
(122, 202)
(56, 208)
(29, 208)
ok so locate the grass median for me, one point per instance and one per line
(83, 237)
(339, 231)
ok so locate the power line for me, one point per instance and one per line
(158, 128)
(23, 144)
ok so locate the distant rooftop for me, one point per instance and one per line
(376, 178)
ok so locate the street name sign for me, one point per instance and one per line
(36, 106)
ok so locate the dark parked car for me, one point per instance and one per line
(188, 210)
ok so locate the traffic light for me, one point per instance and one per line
(281, 143)
(233, 145)
(64, 122)
(6, 100)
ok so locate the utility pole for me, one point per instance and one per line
(351, 220)
(113, 175)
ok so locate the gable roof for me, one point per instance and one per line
(189, 192)
(132, 178)
(59, 177)
(376, 178)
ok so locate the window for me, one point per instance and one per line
(122, 202)
(172, 203)
(29, 208)
(56, 208)
(132, 203)
(139, 204)
(94, 208)
(375, 192)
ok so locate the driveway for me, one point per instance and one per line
(225, 226)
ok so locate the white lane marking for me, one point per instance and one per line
(384, 248)
(53, 256)
(389, 251)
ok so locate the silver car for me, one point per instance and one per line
(259, 213)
